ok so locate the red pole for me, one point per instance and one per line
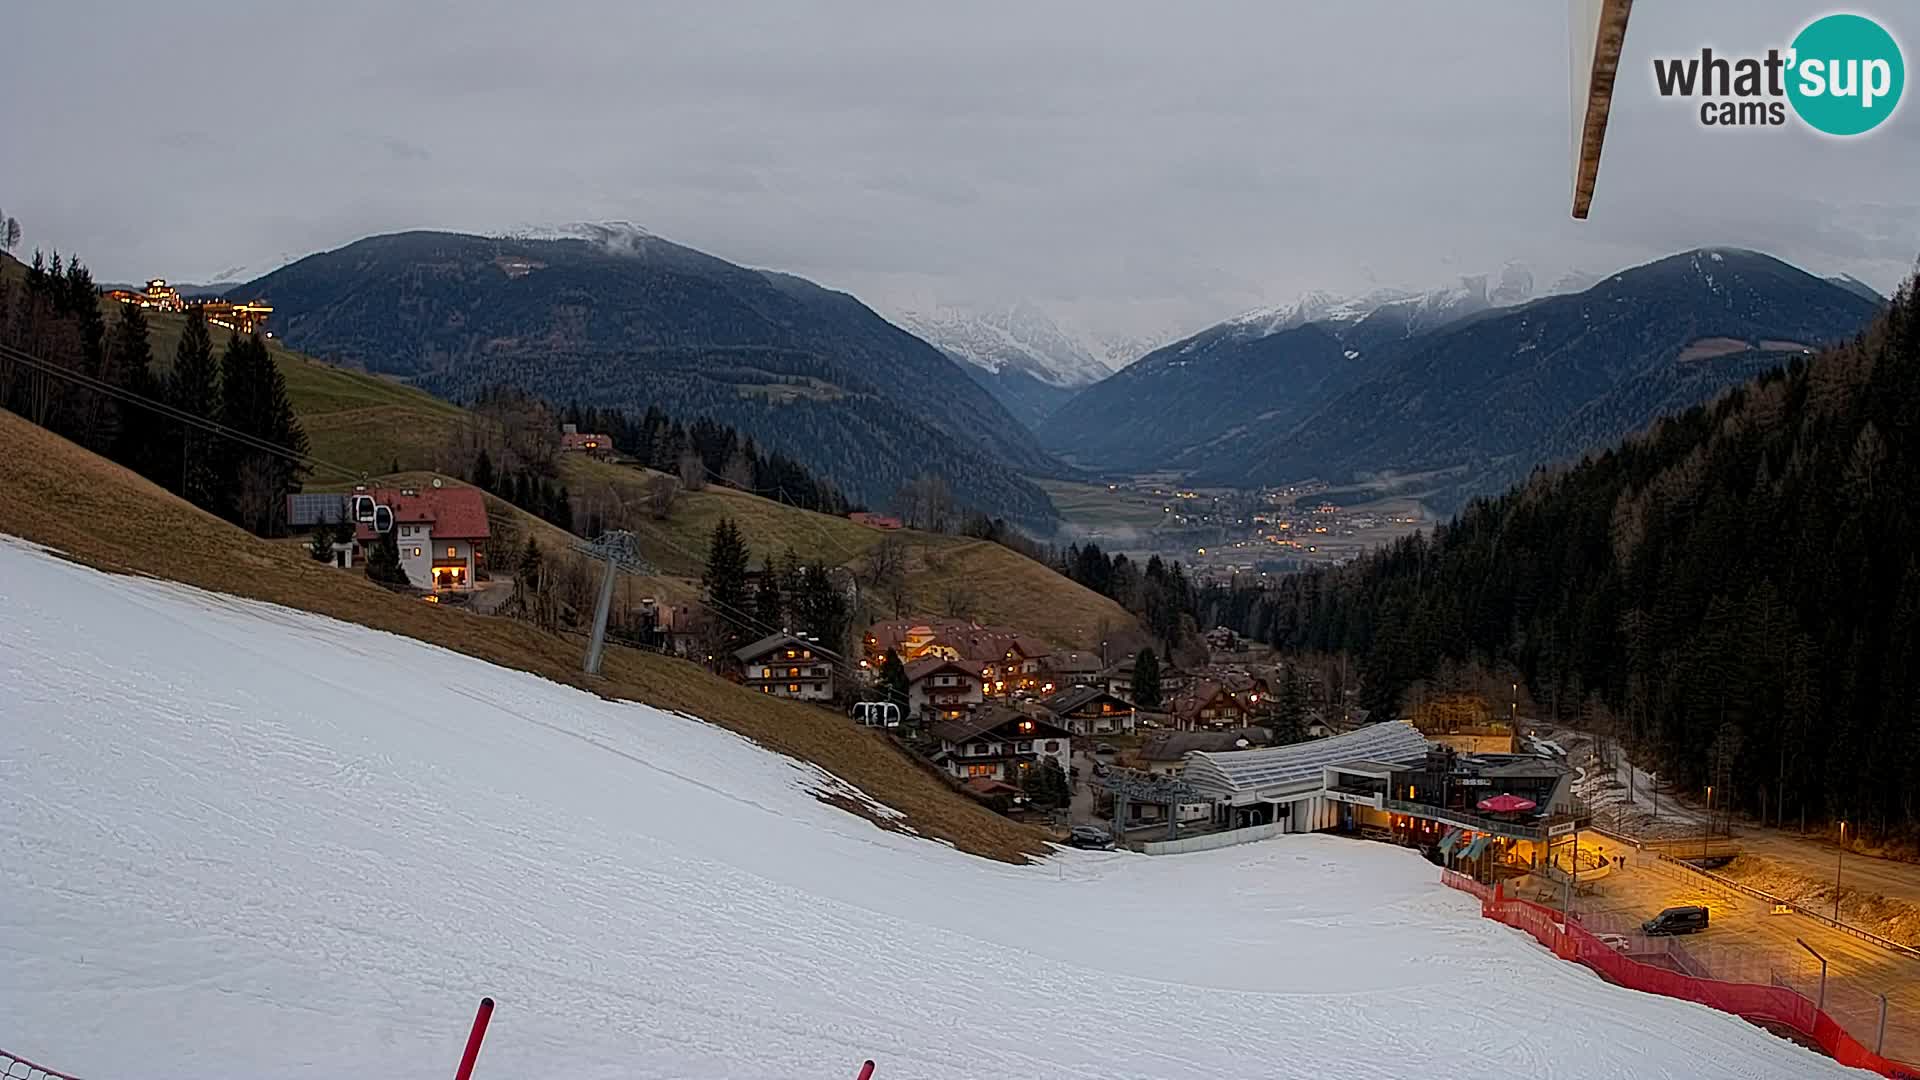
(473, 1041)
(866, 1071)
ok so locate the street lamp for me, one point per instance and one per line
(1707, 830)
(1822, 1005)
(1837, 860)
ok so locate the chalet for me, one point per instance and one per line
(575, 441)
(789, 666)
(1119, 679)
(1208, 704)
(999, 743)
(1010, 662)
(939, 689)
(1075, 669)
(439, 530)
(1090, 710)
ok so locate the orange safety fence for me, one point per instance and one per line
(1769, 1005)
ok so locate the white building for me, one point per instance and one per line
(437, 530)
(1291, 783)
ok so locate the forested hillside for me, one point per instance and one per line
(1737, 590)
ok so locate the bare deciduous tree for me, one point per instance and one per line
(693, 472)
(661, 492)
(959, 600)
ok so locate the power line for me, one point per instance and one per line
(171, 412)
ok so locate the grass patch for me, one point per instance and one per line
(57, 494)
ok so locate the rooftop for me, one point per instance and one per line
(1225, 774)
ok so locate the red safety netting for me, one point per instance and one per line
(1772, 1005)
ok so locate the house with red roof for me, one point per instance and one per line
(439, 531)
(575, 441)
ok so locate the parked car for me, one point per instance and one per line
(1677, 920)
(1089, 836)
(1616, 942)
(1105, 748)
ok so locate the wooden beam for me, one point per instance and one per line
(1599, 29)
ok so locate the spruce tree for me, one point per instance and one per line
(892, 682)
(194, 388)
(138, 443)
(483, 471)
(726, 581)
(383, 561)
(1290, 719)
(1146, 679)
(768, 607)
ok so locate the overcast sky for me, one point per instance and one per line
(1135, 168)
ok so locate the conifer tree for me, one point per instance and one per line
(383, 561)
(726, 581)
(892, 682)
(1146, 679)
(768, 607)
(138, 443)
(193, 387)
(1290, 715)
(483, 471)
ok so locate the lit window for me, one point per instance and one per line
(980, 770)
(793, 688)
(451, 554)
(792, 672)
(1026, 726)
(416, 553)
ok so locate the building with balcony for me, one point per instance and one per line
(943, 689)
(997, 742)
(788, 666)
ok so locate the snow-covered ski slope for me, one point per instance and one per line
(242, 841)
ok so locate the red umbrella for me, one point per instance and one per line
(1506, 804)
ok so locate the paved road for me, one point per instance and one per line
(1082, 808)
(1811, 857)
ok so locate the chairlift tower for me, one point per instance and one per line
(621, 554)
(1168, 791)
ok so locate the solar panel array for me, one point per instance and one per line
(305, 510)
(1230, 771)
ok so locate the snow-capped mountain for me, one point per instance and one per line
(1021, 337)
(1416, 310)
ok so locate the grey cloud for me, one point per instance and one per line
(1135, 166)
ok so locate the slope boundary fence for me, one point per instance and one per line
(15, 1067)
(1772, 1006)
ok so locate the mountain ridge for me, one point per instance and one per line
(628, 319)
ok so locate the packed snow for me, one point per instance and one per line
(246, 841)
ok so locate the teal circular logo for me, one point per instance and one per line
(1846, 74)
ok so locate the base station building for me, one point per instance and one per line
(1388, 781)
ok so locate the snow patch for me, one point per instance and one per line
(245, 840)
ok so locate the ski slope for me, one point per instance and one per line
(240, 840)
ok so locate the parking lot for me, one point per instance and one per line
(1747, 942)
